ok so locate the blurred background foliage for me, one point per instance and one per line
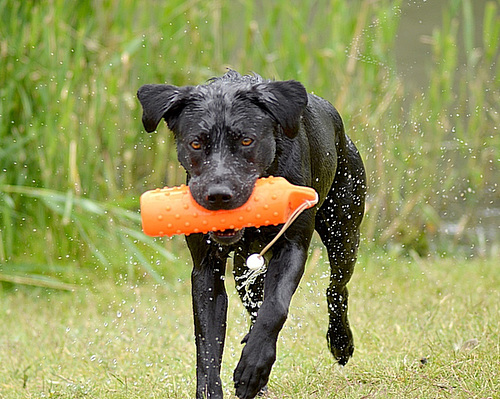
(417, 85)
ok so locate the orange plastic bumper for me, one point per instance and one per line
(171, 211)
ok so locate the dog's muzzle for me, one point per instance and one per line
(227, 237)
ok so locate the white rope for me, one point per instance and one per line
(256, 262)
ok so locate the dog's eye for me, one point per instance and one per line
(246, 141)
(195, 145)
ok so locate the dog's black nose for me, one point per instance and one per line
(219, 197)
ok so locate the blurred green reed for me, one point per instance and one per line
(74, 158)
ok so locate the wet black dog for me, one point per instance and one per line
(229, 133)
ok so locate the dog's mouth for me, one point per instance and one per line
(228, 236)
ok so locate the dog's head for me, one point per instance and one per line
(225, 131)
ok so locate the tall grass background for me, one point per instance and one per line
(74, 158)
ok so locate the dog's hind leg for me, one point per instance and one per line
(337, 222)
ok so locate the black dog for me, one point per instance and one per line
(229, 133)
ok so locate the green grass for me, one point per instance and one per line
(422, 329)
(74, 158)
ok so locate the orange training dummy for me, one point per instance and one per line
(170, 211)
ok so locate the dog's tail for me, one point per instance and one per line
(350, 176)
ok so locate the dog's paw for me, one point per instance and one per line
(342, 355)
(252, 373)
(263, 391)
(341, 345)
(342, 352)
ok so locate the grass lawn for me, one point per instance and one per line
(423, 329)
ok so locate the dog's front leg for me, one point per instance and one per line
(210, 312)
(283, 275)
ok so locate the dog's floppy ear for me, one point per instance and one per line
(162, 101)
(285, 101)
